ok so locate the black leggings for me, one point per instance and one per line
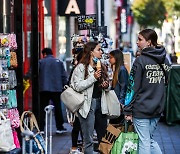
(75, 132)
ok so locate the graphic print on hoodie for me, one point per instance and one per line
(146, 83)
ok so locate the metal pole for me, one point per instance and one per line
(99, 12)
(102, 12)
(50, 144)
(34, 59)
(5, 16)
(53, 20)
(68, 41)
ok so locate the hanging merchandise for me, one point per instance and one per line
(9, 118)
(16, 140)
(13, 59)
(6, 136)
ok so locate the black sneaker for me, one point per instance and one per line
(60, 131)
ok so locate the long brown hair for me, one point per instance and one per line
(86, 55)
(150, 34)
(119, 61)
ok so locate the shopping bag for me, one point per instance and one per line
(110, 104)
(107, 141)
(6, 136)
(127, 142)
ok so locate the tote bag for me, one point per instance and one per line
(110, 104)
(127, 142)
(38, 143)
(72, 99)
(6, 135)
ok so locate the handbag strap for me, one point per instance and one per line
(70, 116)
(33, 121)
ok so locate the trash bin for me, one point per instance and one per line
(172, 107)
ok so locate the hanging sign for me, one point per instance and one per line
(86, 21)
(71, 7)
(123, 21)
(100, 29)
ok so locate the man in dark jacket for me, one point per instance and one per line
(52, 78)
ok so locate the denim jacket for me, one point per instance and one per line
(121, 86)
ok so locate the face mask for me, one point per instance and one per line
(78, 49)
(95, 59)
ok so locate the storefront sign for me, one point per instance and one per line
(86, 21)
(100, 29)
(71, 7)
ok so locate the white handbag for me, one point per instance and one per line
(72, 99)
(6, 136)
(110, 104)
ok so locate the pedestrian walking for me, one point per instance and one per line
(120, 79)
(90, 80)
(145, 97)
(52, 78)
(77, 55)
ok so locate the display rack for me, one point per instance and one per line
(8, 83)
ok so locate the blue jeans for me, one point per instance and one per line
(88, 124)
(145, 129)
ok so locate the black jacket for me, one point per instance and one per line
(145, 97)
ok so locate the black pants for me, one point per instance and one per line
(45, 97)
(75, 132)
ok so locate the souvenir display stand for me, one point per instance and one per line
(9, 115)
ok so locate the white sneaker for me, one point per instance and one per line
(76, 151)
(61, 131)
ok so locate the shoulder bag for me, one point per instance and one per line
(72, 99)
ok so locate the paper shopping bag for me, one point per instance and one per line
(107, 141)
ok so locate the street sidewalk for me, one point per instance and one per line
(168, 138)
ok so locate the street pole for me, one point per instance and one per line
(102, 12)
(5, 16)
(34, 59)
(53, 20)
(99, 12)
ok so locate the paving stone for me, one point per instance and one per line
(168, 137)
